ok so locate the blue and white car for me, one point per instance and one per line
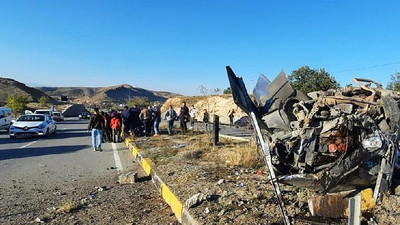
(33, 125)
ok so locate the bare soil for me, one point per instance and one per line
(100, 200)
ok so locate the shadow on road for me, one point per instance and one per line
(30, 152)
(68, 134)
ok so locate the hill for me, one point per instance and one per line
(12, 87)
(117, 94)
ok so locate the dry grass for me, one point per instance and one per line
(198, 146)
(303, 195)
(229, 152)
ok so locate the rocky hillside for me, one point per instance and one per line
(12, 87)
(118, 94)
(215, 105)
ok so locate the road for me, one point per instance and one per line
(40, 176)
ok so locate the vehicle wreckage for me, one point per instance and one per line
(326, 141)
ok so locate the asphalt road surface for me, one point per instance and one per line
(40, 176)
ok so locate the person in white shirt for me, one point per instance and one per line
(192, 113)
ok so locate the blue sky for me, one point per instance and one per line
(179, 45)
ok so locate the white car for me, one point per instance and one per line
(33, 125)
(5, 118)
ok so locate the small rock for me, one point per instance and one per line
(102, 188)
(171, 173)
(92, 196)
(207, 210)
(147, 210)
(195, 200)
(83, 201)
(127, 178)
(221, 213)
(38, 220)
(220, 182)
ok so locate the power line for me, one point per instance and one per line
(368, 67)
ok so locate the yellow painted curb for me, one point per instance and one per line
(135, 151)
(173, 201)
(146, 165)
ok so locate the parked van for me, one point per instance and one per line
(5, 118)
(45, 111)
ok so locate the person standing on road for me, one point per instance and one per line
(96, 125)
(192, 113)
(125, 121)
(170, 116)
(146, 117)
(231, 115)
(184, 117)
(136, 123)
(157, 120)
(115, 126)
(206, 119)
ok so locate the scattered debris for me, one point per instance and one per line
(195, 200)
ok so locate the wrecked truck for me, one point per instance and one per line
(326, 141)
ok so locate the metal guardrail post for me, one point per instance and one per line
(354, 210)
(215, 130)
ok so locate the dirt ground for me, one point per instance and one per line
(233, 180)
(100, 200)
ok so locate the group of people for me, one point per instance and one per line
(185, 115)
(144, 121)
(104, 128)
(141, 121)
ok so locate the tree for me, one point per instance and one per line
(203, 90)
(307, 80)
(228, 90)
(139, 101)
(43, 100)
(17, 103)
(216, 91)
(394, 83)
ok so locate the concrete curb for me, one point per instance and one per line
(234, 138)
(180, 211)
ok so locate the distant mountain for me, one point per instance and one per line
(118, 93)
(11, 87)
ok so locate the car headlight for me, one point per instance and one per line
(11, 127)
(42, 126)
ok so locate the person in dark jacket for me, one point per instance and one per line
(184, 117)
(157, 120)
(107, 127)
(95, 126)
(170, 116)
(136, 126)
(126, 123)
(206, 119)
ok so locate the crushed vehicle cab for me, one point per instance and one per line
(326, 141)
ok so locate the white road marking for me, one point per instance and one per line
(28, 144)
(118, 163)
